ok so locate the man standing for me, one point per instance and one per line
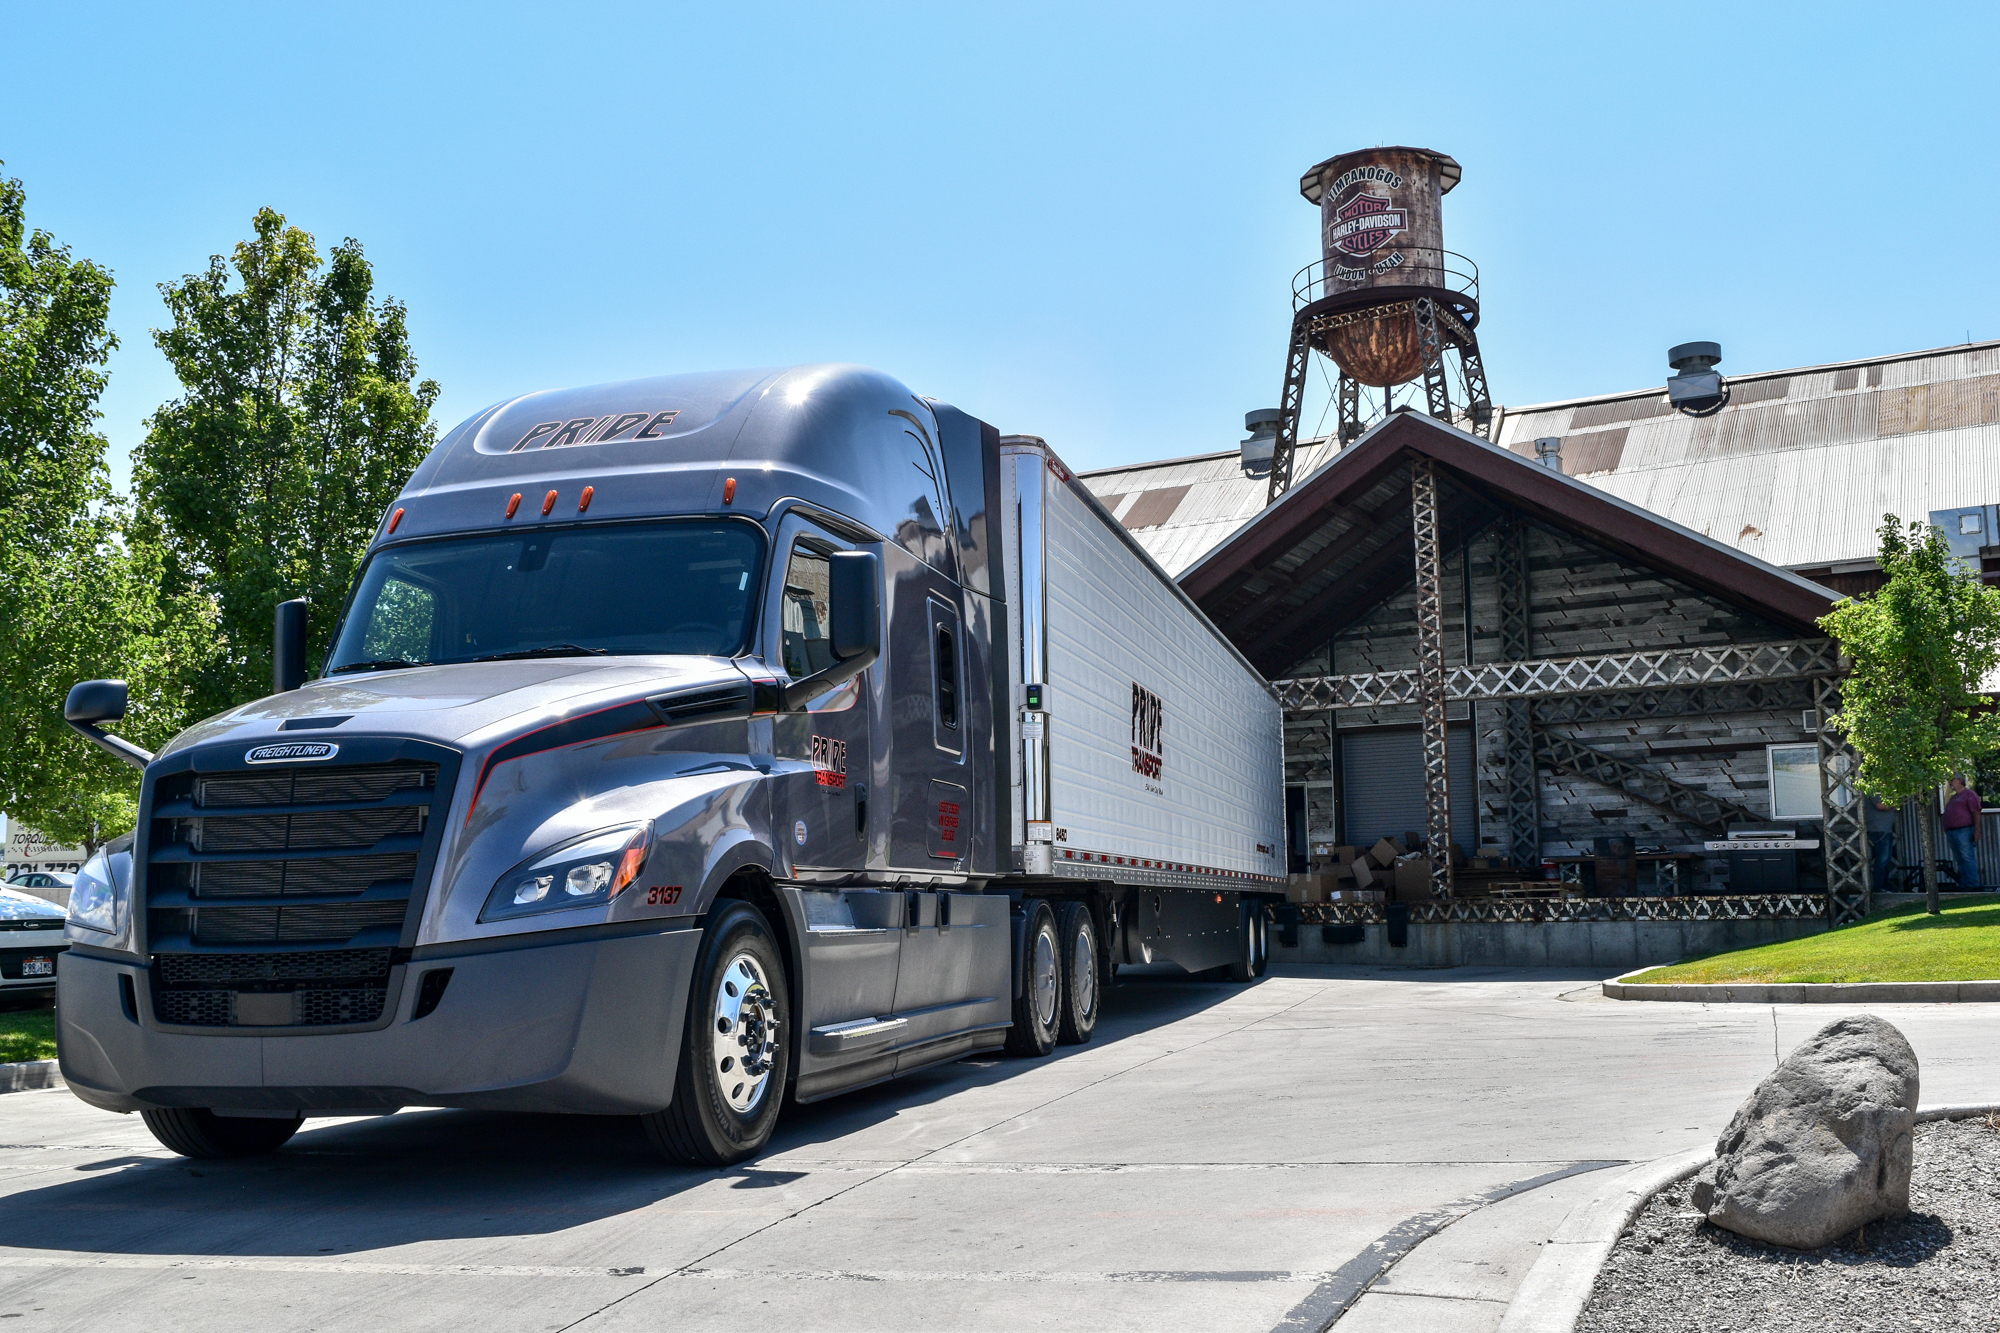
(1961, 830)
(1881, 817)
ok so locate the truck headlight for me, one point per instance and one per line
(583, 872)
(97, 901)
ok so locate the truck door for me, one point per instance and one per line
(927, 716)
(821, 799)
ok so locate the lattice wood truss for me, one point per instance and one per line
(1613, 672)
(1706, 907)
(1524, 817)
(1430, 670)
(1692, 804)
(1770, 696)
(1844, 828)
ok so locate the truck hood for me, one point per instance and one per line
(452, 704)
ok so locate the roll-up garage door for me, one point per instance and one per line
(1383, 785)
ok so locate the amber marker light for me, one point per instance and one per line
(513, 504)
(633, 860)
(729, 490)
(394, 519)
(583, 501)
(548, 503)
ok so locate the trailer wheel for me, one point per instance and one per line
(1082, 982)
(198, 1132)
(1039, 1003)
(1253, 946)
(735, 1054)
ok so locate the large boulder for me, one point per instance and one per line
(1823, 1144)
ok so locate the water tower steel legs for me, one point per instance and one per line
(1440, 331)
(1289, 406)
(1430, 672)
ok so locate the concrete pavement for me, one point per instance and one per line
(1228, 1157)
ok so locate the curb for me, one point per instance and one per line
(1551, 1298)
(1837, 992)
(28, 1075)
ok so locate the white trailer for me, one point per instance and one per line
(1147, 751)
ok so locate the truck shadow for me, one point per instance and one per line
(356, 1186)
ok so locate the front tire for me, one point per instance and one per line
(736, 1054)
(1082, 982)
(195, 1131)
(1040, 971)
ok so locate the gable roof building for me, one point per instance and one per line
(1796, 469)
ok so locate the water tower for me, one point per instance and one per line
(1387, 303)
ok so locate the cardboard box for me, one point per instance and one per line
(1307, 888)
(1413, 878)
(1365, 875)
(1385, 852)
(1358, 896)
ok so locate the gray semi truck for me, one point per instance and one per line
(686, 745)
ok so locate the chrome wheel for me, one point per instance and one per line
(1043, 977)
(1083, 976)
(745, 1041)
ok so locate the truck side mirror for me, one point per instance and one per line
(96, 701)
(854, 578)
(854, 586)
(93, 701)
(288, 646)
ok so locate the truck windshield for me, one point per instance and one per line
(679, 587)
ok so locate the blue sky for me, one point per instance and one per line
(1078, 221)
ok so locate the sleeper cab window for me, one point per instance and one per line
(806, 646)
(945, 673)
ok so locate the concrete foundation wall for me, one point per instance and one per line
(1611, 946)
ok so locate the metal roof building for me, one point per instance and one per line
(1797, 469)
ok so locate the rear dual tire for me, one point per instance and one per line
(1252, 943)
(1062, 979)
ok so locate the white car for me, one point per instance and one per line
(31, 935)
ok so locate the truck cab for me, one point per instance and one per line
(661, 764)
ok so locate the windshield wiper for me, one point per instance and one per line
(552, 650)
(383, 664)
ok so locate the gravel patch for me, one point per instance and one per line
(1937, 1269)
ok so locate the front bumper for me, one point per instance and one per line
(590, 1026)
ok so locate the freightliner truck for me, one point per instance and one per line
(686, 746)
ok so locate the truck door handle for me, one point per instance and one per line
(860, 809)
(913, 910)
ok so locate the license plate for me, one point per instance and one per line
(38, 967)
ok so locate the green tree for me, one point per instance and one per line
(1921, 646)
(77, 600)
(299, 421)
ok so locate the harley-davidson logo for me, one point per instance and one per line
(1365, 224)
(291, 752)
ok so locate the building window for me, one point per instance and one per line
(1794, 781)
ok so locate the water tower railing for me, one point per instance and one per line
(1455, 273)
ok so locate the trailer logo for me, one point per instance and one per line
(1148, 717)
(291, 752)
(829, 761)
(596, 430)
(1364, 224)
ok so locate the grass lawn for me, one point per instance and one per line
(27, 1034)
(1899, 944)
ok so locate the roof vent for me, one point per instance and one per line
(1262, 444)
(1549, 453)
(1697, 391)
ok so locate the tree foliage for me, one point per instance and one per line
(300, 420)
(76, 600)
(1921, 646)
